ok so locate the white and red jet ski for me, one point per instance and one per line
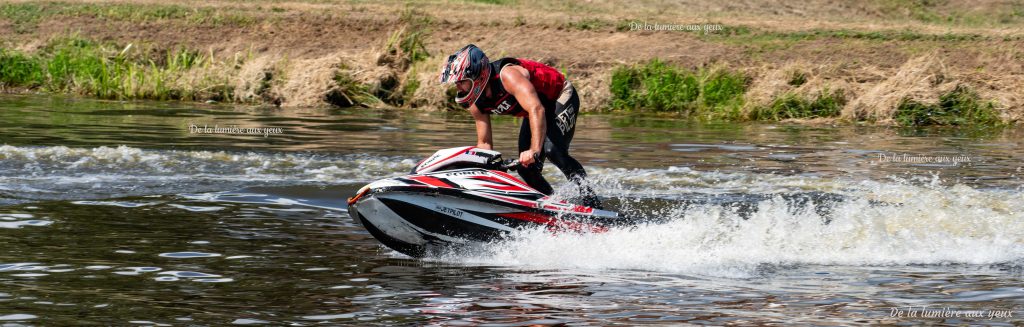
(461, 196)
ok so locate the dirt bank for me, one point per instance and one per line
(296, 53)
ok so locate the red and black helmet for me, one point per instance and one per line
(469, 63)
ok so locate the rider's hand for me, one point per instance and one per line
(528, 157)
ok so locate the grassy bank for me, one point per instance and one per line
(719, 94)
(107, 71)
(86, 67)
(749, 60)
(959, 107)
(715, 94)
(659, 87)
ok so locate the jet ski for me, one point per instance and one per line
(462, 196)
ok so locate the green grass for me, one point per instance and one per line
(409, 43)
(721, 87)
(23, 16)
(938, 12)
(659, 87)
(520, 21)
(921, 10)
(17, 69)
(403, 49)
(826, 104)
(21, 12)
(350, 92)
(409, 88)
(708, 95)
(410, 15)
(588, 24)
(744, 35)
(959, 107)
(26, 16)
(493, 2)
(107, 71)
(797, 78)
(655, 86)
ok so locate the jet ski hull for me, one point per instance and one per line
(412, 221)
(441, 205)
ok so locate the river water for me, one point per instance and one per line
(118, 213)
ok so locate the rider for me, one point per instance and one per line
(539, 94)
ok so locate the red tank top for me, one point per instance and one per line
(546, 80)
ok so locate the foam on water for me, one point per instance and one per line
(19, 220)
(59, 172)
(899, 222)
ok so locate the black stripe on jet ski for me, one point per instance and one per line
(438, 223)
(449, 183)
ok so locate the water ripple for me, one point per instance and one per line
(183, 255)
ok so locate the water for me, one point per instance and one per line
(115, 214)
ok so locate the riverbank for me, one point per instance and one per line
(885, 62)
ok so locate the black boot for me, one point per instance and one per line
(590, 198)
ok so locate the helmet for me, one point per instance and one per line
(469, 63)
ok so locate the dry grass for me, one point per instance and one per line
(920, 79)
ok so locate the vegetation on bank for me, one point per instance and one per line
(827, 104)
(108, 71)
(75, 65)
(659, 87)
(126, 71)
(401, 53)
(959, 107)
(719, 94)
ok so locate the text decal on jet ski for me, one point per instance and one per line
(447, 210)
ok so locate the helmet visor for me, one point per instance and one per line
(448, 72)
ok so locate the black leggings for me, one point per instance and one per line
(561, 126)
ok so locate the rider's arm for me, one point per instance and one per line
(483, 128)
(516, 81)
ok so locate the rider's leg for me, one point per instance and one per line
(532, 175)
(561, 128)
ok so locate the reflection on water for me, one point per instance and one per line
(114, 214)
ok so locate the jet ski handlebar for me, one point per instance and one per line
(506, 165)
